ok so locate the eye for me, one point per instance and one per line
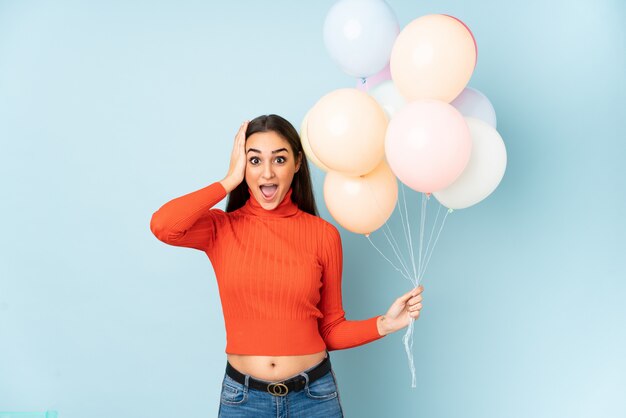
(252, 160)
(282, 160)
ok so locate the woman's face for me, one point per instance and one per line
(270, 167)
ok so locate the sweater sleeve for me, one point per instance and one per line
(337, 332)
(189, 221)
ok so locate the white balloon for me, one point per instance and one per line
(359, 35)
(388, 97)
(483, 172)
(475, 104)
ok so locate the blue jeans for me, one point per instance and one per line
(317, 399)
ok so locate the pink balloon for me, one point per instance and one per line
(364, 84)
(428, 144)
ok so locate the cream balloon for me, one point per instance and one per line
(388, 97)
(346, 131)
(361, 204)
(433, 58)
(483, 172)
(304, 139)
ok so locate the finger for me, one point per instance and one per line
(242, 127)
(413, 292)
(241, 138)
(416, 291)
(415, 299)
(238, 138)
(416, 307)
(406, 296)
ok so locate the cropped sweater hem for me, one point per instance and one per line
(289, 337)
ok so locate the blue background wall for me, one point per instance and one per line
(109, 109)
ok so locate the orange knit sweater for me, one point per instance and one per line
(278, 273)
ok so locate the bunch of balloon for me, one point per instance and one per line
(411, 117)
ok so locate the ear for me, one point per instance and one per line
(299, 161)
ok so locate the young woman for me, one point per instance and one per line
(278, 267)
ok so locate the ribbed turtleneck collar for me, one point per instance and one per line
(286, 207)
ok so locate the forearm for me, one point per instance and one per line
(191, 214)
(341, 333)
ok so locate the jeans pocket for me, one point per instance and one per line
(321, 389)
(233, 392)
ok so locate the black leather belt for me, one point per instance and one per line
(280, 388)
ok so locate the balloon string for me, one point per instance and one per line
(423, 260)
(396, 247)
(437, 239)
(420, 273)
(410, 239)
(396, 250)
(408, 336)
(406, 237)
(401, 272)
(406, 339)
(422, 226)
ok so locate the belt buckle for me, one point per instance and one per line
(277, 389)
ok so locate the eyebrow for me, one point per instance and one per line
(273, 152)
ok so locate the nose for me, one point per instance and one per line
(268, 172)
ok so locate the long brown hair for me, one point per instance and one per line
(302, 193)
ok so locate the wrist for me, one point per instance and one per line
(228, 184)
(381, 325)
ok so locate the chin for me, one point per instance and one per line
(266, 205)
(271, 206)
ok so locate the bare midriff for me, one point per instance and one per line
(274, 368)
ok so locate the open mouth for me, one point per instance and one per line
(269, 191)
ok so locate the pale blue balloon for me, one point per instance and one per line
(475, 104)
(359, 35)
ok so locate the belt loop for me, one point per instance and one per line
(246, 383)
(306, 378)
